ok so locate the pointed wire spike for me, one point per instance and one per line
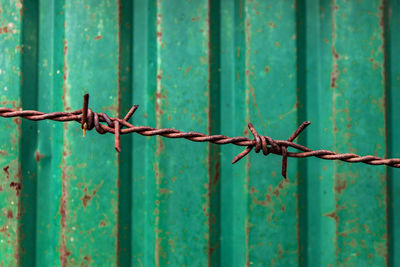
(85, 108)
(117, 138)
(242, 154)
(299, 130)
(284, 162)
(130, 112)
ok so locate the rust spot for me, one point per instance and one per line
(3, 229)
(102, 223)
(165, 191)
(188, 69)
(217, 174)
(5, 29)
(5, 169)
(335, 67)
(86, 198)
(247, 229)
(63, 203)
(266, 69)
(16, 186)
(256, 201)
(65, 75)
(65, 47)
(3, 152)
(64, 254)
(335, 53)
(272, 24)
(159, 18)
(38, 156)
(334, 76)
(98, 37)
(17, 121)
(10, 214)
(333, 215)
(340, 185)
(276, 192)
(160, 95)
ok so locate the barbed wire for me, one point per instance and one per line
(105, 124)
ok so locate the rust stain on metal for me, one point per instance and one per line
(64, 253)
(87, 197)
(250, 88)
(157, 241)
(98, 37)
(247, 241)
(65, 70)
(38, 156)
(188, 69)
(10, 214)
(5, 29)
(102, 223)
(335, 55)
(216, 173)
(5, 169)
(333, 215)
(253, 194)
(63, 212)
(158, 111)
(268, 196)
(17, 186)
(340, 185)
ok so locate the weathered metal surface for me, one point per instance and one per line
(10, 82)
(212, 67)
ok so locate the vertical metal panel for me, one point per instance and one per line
(11, 40)
(208, 66)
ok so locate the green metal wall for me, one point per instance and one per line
(212, 67)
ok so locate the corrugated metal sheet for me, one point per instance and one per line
(208, 66)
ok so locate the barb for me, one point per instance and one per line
(105, 124)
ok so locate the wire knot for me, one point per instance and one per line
(269, 145)
(92, 120)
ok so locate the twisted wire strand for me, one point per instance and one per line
(105, 124)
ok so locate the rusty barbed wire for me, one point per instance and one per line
(89, 120)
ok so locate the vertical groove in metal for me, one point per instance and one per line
(125, 164)
(392, 44)
(214, 127)
(29, 136)
(301, 67)
(227, 203)
(49, 150)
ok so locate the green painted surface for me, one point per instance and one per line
(10, 84)
(212, 67)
